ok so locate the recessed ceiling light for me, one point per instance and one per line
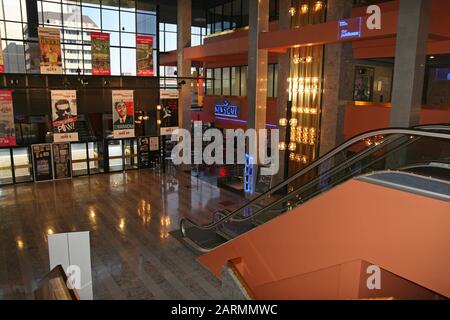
(432, 57)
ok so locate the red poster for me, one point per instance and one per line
(7, 129)
(144, 56)
(2, 64)
(101, 65)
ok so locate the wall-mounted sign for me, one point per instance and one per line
(123, 113)
(169, 104)
(50, 46)
(62, 161)
(144, 152)
(154, 143)
(101, 65)
(168, 131)
(350, 28)
(64, 115)
(144, 56)
(7, 128)
(42, 162)
(443, 74)
(168, 94)
(225, 109)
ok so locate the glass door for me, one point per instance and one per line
(115, 155)
(95, 158)
(79, 159)
(6, 176)
(23, 168)
(131, 154)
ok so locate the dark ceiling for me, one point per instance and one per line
(168, 10)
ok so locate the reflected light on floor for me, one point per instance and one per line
(20, 244)
(122, 224)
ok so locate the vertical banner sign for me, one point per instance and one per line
(169, 104)
(123, 113)
(62, 162)
(50, 46)
(7, 129)
(2, 63)
(101, 65)
(64, 115)
(144, 56)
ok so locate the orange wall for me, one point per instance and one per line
(372, 116)
(401, 232)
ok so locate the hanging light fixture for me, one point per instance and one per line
(292, 146)
(283, 122)
(282, 146)
(293, 122)
(304, 8)
(292, 11)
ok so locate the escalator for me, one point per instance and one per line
(422, 150)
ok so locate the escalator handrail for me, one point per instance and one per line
(381, 132)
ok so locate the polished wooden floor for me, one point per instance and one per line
(129, 217)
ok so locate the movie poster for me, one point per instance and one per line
(169, 105)
(2, 63)
(123, 114)
(50, 45)
(144, 56)
(7, 129)
(101, 65)
(62, 162)
(42, 162)
(64, 115)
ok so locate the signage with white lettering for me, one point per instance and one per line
(350, 28)
(225, 109)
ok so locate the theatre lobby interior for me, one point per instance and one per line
(224, 150)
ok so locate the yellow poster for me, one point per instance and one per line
(50, 46)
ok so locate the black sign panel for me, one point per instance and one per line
(42, 162)
(144, 152)
(62, 163)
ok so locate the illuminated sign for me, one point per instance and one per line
(226, 110)
(443, 74)
(350, 29)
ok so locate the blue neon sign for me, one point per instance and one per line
(225, 109)
(350, 28)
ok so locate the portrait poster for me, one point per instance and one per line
(2, 63)
(64, 115)
(42, 162)
(7, 128)
(144, 56)
(62, 162)
(101, 64)
(123, 114)
(50, 46)
(169, 107)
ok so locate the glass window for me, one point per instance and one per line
(128, 39)
(14, 30)
(127, 21)
(270, 81)
(91, 18)
(171, 41)
(13, 10)
(237, 14)
(146, 23)
(218, 19)
(218, 82)
(227, 16)
(114, 38)
(210, 21)
(226, 82)
(51, 13)
(245, 20)
(209, 82)
(244, 71)
(196, 40)
(110, 20)
(128, 58)
(14, 57)
(115, 61)
(235, 81)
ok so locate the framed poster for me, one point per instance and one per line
(143, 152)
(42, 162)
(363, 84)
(50, 46)
(7, 127)
(2, 63)
(62, 161)
(101, 64)
(154, 143)
(123, 113)
(64, 115)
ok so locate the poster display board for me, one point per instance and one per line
(7, 128)
(62, 161)
(169, 105)
(123, 114)
(154, 143)
(50, 46)
(144, 56)
(144, 152)
(64, 115)
(101, 61)
(42, 162)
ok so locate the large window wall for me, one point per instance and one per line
(122, 19)
(233, 15)
(232, 81)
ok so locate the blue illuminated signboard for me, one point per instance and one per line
(443, 74)
(225, 109)
(350, 28)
